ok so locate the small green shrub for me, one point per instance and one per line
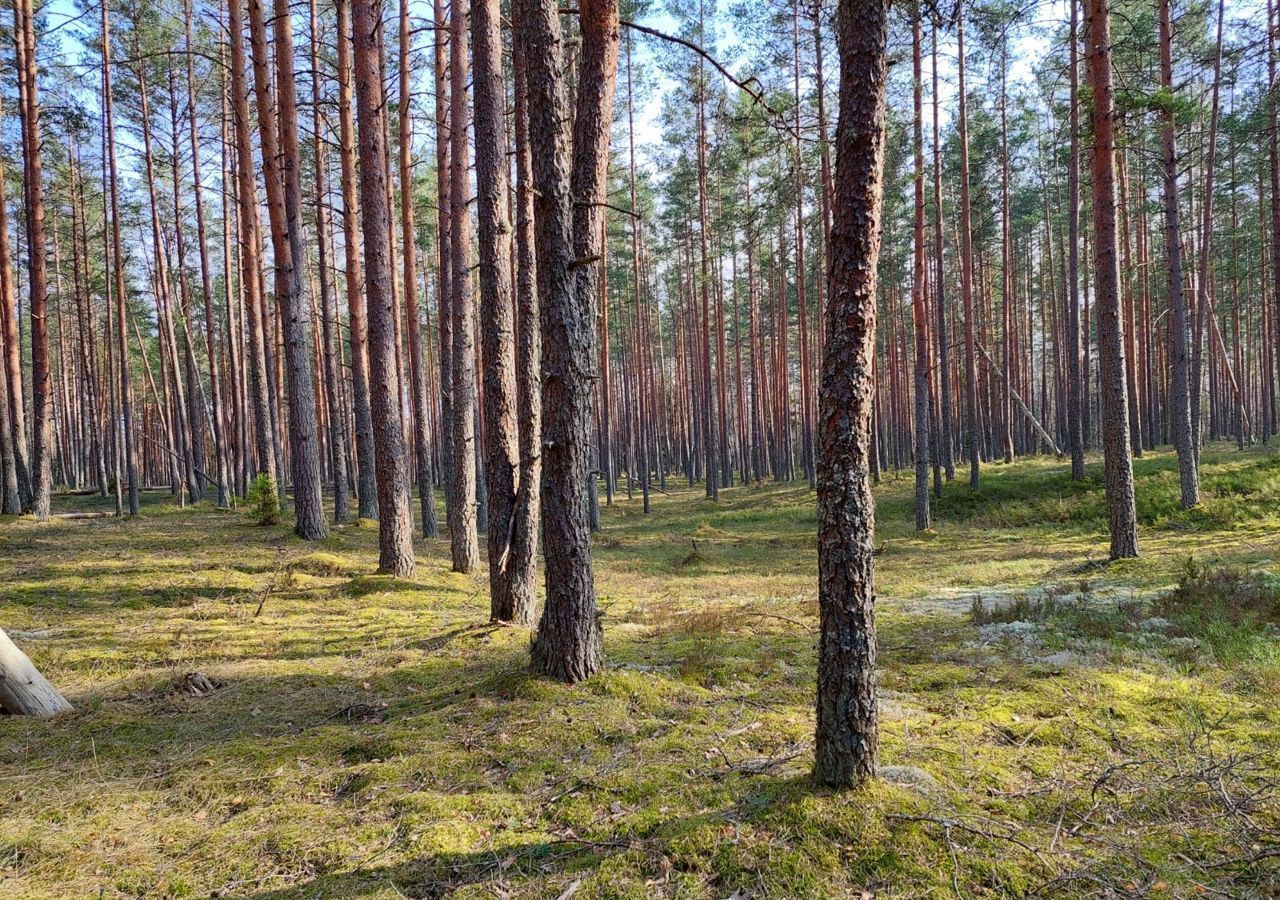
(264, 502)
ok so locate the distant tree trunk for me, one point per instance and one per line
(497, 311)
(523, 553)
(1118, 461)
(11, 399)
(711, 462)
(366, 466)
(464, 543)
(23, 690)
(281, 162)
(395, 527)
(1180, 423)
(328, 303)
(569, 644)
(919, 296)
(1007, 300)
(972, 424)
(444, 252)
(37, 278)
(1204, 297)
(846, 750)
(1075, 378)
(945, 440)
(250, 261)
(417, 367)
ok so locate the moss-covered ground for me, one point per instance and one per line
(1051, 725)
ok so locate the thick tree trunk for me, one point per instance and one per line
(395, 527)
(846, 751)
(569, 643)
(23, 690)
(1118, 461)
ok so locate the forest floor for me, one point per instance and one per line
(1050, 724)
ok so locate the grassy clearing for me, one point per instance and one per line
(1083, 729)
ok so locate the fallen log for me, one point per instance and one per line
(23, 690)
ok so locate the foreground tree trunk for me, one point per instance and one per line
(569, 644)
(846, 750)
(395, 527)
(1118, 461)
(23, 690)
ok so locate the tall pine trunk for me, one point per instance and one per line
(846, 750)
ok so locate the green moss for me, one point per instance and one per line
(376, 738)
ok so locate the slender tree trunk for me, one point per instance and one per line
(250, 260)
(919, 298)
(37, 280)
(330, 356)
(284, 205)
(395, 527)
(1118, 461)
(1179, 340)
(972, 424)
(464, 543)
(418, 372)
(497, 311)
(366, 466)
(846, 750)
(523, 552)
(1075, 378)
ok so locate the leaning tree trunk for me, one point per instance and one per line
(23, 690)
(846, 750)
(1118, 462)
